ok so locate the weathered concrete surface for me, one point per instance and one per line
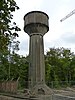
(36, 24)
(41, 89)
(40, 97)
(62, 97)
(45, 97)
(8, 98)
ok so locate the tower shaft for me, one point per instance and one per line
(37, 65)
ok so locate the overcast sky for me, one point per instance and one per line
(61, 34)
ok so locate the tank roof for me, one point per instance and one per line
(36, 12)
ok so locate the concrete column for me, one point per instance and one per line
(37, 65)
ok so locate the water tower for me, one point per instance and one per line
(36, 24)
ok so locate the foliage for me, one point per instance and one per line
(19, 69)
(60, 66)
(8, 33)
(7, 28)
(6, 9)
(15, 69)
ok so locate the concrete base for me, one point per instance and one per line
(62, 97)
(41, 89)
(45, 97)
(39, 97)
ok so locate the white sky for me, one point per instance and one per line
(61, 34)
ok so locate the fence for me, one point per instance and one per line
(53, 84)
(61, 84)
(9, 86)
(13, 86)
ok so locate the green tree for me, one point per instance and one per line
(19, 69)
(8, 29)
(59, 65)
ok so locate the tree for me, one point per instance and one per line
(8, 29)
(59, 65)
(19, 69)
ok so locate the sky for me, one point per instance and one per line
(61, 34)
